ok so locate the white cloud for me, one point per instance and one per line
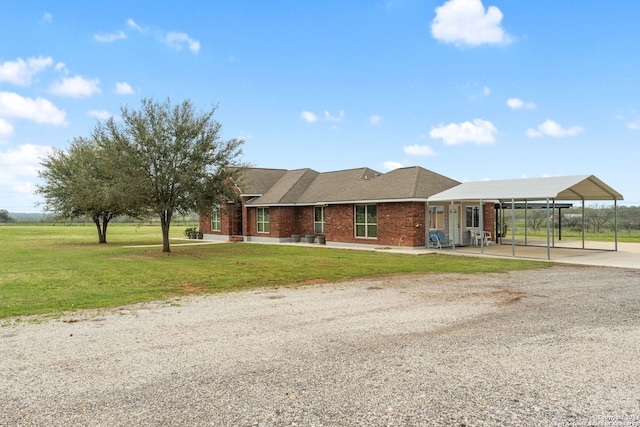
(60, 67)
(486, 91)
(123, 88)
(131, 23)
(375, 119)
(328, 117)
(308, 116)
(390, 165)
(517, 103)
(479, 132)
(419, 150)
(20, 72)
(20, 164)
(553, 129)
(76, 87)
(6, 129)
(47, 17)
(110, 37)
(178, 40)
(467, 23)
(635, 125)
(39, 110)
(99, 114)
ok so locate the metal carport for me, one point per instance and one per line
(547, 189)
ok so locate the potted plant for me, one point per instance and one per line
(191, 232)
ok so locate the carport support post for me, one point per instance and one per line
(582, 223)
(548, 239)
(526, 208)
(615, 222)
(513, 227)
(481, 220)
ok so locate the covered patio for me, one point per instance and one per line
(548, 193)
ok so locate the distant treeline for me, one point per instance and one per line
(48, 218)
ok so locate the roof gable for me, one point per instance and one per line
(580, 187)
(307, 187)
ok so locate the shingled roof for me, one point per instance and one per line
(308, 187)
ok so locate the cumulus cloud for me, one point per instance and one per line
(517, 104)
(132, 24)
(468, 23)
(375, 119)
(123, 88)
(20, 72)
(390, 165)
(553, 129)
(634, 125)
(419, 150)
(478, 132)
(76, 87)
(110, 37)
(328, 117)
(177, 41)
(6, 129)
(39, 110)
(18, 164)
(308, 116)
(99, 114)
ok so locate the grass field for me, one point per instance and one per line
(52, 269)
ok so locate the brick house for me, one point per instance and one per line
(346, 208)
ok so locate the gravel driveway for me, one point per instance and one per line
(558, 346)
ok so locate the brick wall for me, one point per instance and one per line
(489, 219)
(399, 224)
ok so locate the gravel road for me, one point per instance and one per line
(558, 346)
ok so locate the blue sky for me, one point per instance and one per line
(471, 89)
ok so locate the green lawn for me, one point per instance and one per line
(51, 269)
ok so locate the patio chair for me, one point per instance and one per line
(481, 236)
(437, 240)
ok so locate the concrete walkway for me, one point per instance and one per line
(566, 252)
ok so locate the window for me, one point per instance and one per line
(473, 216)
(215, 219)
(263, 220)
(436, 217)
(366, 221)
(318, 220)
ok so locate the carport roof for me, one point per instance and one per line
(580, 187)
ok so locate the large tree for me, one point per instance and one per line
(80, 182)
(173, 158)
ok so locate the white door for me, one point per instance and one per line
(454, 224)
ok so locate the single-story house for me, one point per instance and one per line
(401, 208)
(343, 208)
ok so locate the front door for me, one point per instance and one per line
(455, 212)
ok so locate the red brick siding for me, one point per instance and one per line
(489, 219)
(228, 222)
(399, 224)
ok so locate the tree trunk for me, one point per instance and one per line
(165, 222)
(102, 228)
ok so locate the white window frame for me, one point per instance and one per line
(472, 213)
(216, 219)
(367, 221)
(436, 217)
(262, 219)
(319, 225)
